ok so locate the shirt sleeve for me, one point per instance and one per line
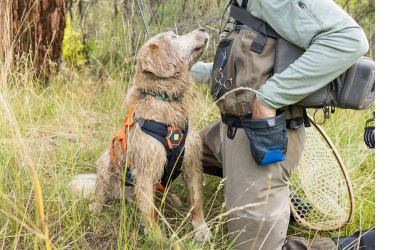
(325, 59)
(201, 72)
(332, 39)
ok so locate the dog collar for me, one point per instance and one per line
(164, 96)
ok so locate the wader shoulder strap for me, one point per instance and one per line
(242, 16)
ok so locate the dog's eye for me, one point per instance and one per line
(173, 36)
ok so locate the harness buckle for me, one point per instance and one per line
(174, 137)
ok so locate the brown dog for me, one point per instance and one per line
(162, 82)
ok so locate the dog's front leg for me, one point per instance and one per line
(146, 157)
(145, 199)
(145, 193)
(193, 178)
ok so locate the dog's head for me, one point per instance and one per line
(168, 55)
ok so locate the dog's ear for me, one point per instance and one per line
(158, 60)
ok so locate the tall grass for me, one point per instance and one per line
(50, 133)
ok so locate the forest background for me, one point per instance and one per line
(65, 68)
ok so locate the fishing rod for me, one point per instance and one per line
(144, 22)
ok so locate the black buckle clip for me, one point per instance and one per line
(231, 132)
(295, 123)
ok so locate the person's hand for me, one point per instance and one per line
(261, 111)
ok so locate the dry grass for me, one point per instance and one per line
(50, 133)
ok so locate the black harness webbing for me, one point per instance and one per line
(172, 138)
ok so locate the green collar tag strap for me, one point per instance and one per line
(164, 96)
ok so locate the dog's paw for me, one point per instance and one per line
(202, 233)
(95, 208)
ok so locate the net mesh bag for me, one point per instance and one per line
(321, 195)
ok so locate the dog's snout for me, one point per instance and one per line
(202, 29)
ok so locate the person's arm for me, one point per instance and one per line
(332, 39)
(327, 57)
(201, 72)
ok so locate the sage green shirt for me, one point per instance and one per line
(332, 39)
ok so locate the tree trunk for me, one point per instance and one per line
(5, 28)
(38, 31)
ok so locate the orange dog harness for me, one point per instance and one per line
(172, 138)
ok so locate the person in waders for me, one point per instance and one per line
(256, 186)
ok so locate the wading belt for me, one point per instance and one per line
(172, 138)
(234, 123)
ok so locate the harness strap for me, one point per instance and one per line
(172, 138)
(157, 130)
(121, 136)
(173, 167)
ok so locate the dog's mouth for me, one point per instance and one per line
(201, 48)
(198, 51)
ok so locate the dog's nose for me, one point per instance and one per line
(202, 29)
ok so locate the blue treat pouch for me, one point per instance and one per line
(268, 138)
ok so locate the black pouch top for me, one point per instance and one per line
(268, 138)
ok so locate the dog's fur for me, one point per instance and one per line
(162, 66)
